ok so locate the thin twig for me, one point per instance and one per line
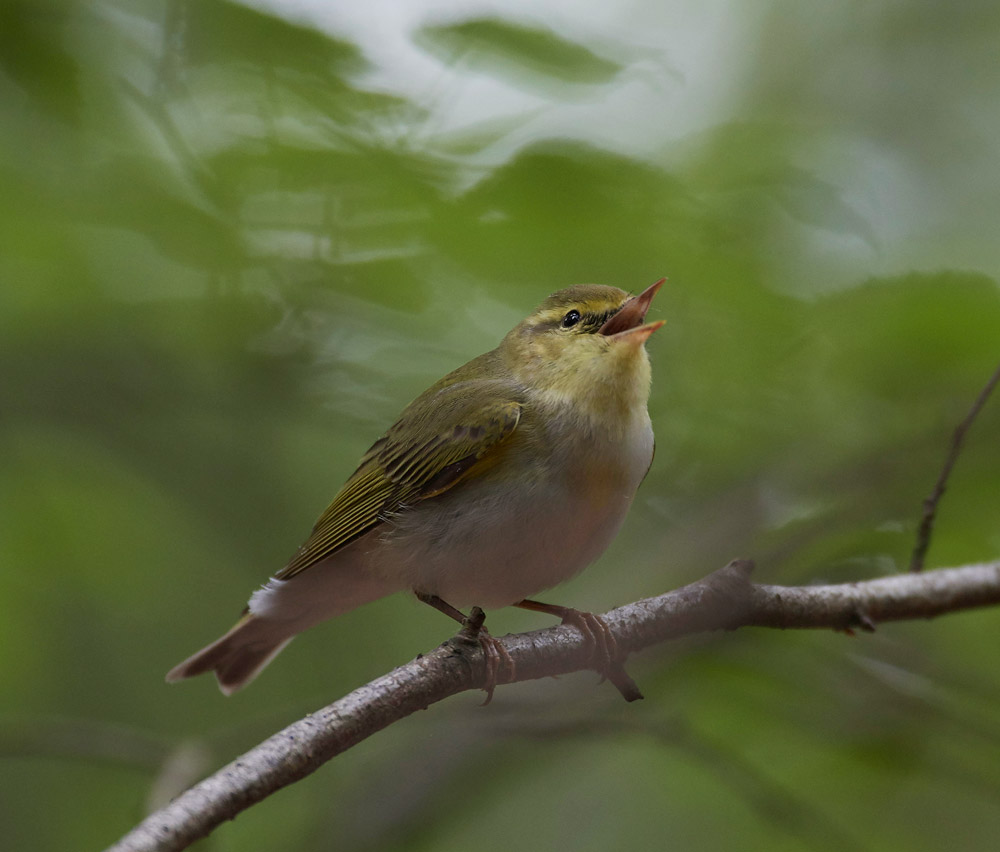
(725, 600)
(931, 503)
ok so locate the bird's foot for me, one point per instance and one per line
(607, 657)
(596, 634)
(494, 652)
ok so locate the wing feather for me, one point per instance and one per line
(423, 455)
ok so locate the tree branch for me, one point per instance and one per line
(930, 504)
(724, 600)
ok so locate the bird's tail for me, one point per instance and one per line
(238, 656)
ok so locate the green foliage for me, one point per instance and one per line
(229, 255)
(529, 56)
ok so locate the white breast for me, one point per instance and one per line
(492, 543)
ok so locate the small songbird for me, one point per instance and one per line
(507, 477)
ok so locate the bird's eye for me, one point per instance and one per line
(571, 319)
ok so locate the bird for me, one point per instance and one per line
(505, 478)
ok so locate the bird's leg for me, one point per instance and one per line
(473, 629)
(598, 637)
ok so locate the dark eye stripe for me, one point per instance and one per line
(582, 321)
(603, 318)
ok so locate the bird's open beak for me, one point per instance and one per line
(628, 321)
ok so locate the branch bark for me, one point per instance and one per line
(724, 600)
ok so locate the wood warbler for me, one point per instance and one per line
(508, 476)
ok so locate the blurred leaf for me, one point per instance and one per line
(818, 203)
(219, 31)
(527, 56)
(917, 340)
(134, 196)
(552, 201)
(34, 55)
(741, 165)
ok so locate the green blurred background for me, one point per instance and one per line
(236, 241)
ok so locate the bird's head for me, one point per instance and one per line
(585, 344)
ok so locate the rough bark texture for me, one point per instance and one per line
(725, 599)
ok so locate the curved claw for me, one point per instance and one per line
(605, 653)
(496, 656)
(598, 635)
(494, 653)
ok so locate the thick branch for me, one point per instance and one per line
(725, 599)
